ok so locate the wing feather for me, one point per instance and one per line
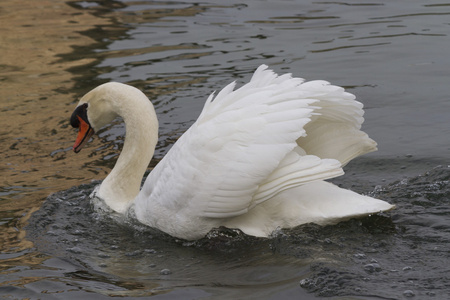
(242, 150)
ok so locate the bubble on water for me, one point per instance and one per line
(165, 272)
(307, 283)
(78, 232)
(393, 270)
(75, 250)
(408, 293)
(371, 268)
(359, 255)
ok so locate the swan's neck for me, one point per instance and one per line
(122, 185)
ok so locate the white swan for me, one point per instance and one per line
(255, 159)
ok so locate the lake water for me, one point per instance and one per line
(392, 55)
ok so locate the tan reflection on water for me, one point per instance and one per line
(35, 135)
(34, 115)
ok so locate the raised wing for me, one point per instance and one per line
(241, 151)
(335, 132)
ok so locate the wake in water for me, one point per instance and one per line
(392, 255)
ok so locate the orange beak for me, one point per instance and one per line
(85, 132)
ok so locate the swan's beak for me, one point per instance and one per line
(79, 119)
(85, 131)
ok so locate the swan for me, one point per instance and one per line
(255, 159)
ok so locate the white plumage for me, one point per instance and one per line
(255, 159)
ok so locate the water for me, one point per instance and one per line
(391, 55)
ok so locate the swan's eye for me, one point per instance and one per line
(80, 111)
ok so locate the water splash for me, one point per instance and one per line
(392, 255)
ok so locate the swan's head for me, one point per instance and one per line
(94, 111)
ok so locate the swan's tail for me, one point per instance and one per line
(318, 202)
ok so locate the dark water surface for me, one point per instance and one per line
(392, 55)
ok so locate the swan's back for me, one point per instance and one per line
(247, 147)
